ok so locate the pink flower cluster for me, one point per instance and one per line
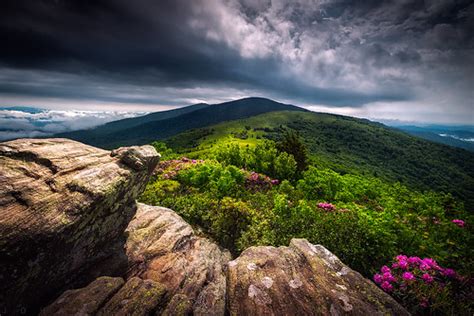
(327, 206)
(258, 182)
(458, 222)
(169, 169)
(410, 271)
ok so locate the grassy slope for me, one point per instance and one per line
(350, 145)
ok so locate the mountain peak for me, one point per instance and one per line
(160, 125)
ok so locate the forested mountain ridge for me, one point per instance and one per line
(349, 145)
(143, 130)
(341, 143)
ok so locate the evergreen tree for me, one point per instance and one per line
(292, 144)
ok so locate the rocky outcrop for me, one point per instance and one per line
(184, 274)
(162, 247)
(69, 224)
(171, 272)
(63, 209)
(302, 279)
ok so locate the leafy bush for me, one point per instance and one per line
(263, 158)
(165, 152)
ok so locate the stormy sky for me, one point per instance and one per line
(400, 60)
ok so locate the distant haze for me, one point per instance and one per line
(408, 60)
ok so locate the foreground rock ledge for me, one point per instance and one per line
(171, 272)
(302, 279)
(63, 209)
(175, 272)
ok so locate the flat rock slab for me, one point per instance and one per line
(302, 279)
(62, 206)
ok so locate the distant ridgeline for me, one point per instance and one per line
(341, 143)
(160, 125)
(457, 136)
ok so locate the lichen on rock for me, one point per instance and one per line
(304, 281)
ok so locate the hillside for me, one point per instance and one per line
(143, 130)
(343, 144)
(349, 145)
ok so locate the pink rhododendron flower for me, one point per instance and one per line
(403, 264)
(408, 276)
(378, 278)
(275, 181)
(385, 269)
(326, 206)
(424, 266)
(387, 276)
(427, 278)
(416, 280)
(414, 260)
(450, 273)
(458, 222)
(254, 176)
(430, 263)
(386, 286)
(401, 258)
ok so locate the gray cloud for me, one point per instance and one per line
(17, 123)
(337, 54)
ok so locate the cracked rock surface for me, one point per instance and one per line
(302, 279)
(189, 275)
(63, 208)
(171, 272)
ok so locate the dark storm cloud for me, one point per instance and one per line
(335, 53)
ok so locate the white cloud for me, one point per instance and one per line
(17, 124)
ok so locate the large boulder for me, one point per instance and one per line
(162, 247)
(184, 274)
(63, 209)
(302, 279)
(171, 272)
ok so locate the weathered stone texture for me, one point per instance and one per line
(302, 279)
(63, 205)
